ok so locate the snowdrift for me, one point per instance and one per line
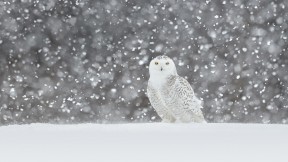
(144, 142)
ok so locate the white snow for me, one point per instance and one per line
(144, 142)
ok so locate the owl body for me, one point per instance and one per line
(171, 95)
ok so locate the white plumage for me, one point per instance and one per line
(171, 95)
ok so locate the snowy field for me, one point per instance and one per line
(144, 142)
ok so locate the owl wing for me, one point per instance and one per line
(158, 104)
(187, 101)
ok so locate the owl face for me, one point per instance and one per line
(163, 66)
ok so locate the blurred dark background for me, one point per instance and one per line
(86, 60)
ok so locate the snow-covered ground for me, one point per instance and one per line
(144, 142)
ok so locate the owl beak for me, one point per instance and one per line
(161, 69)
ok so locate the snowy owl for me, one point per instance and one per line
(171, 95)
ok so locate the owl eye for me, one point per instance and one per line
(167, 63)
(156, 63)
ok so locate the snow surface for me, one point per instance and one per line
(143, 142)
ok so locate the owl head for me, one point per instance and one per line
(162, 66)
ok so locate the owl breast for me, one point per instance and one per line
(169, 95)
